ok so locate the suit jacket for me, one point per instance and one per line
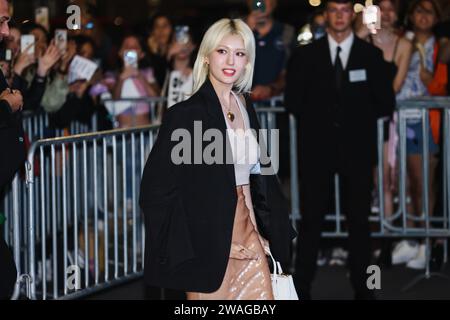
(338, 131)
(189, 209)
(12, 156)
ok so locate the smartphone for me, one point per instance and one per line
(131, 59)
(182, 34)
(372, 18)
(61, 39)
(259, 5)
(5, 55)
(42, 17)
(27, 44)
(8, 55)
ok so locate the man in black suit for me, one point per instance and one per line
(12, 154)
(337, 87)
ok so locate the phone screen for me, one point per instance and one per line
(61, 39)
(42, 17)
(372, 18)
(182, 34)
(27, 42)
(131, 59)
(8, 55)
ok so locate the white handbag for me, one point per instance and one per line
(282, 283)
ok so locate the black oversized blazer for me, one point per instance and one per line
(189, 209)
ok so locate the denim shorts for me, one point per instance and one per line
(414, 140)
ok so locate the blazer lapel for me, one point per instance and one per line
(215, 114)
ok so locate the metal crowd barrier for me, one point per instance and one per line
(35, 125)
(84, 228)
(14, 205)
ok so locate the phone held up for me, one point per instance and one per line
(130, 59)
(182, 34)
(259, 5)
(27, 44)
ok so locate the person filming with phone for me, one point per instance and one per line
(135, 80)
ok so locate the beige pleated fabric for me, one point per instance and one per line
(244, 279)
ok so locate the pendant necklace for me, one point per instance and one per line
(230, 115)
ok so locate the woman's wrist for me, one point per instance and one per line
(18, 70)
(42, 72)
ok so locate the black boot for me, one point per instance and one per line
(385, 258)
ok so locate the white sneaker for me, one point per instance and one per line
(420, 261)
(338, 257)
(404, 252)
(321, 259)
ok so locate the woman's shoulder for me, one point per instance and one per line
(186, 110)
(405, 44)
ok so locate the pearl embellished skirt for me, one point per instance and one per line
(244, 279)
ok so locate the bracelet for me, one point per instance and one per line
(40, 79)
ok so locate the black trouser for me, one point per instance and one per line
(316, 186)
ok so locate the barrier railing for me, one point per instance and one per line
(85, 231)
(37, 126)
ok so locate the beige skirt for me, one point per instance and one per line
(244, 279)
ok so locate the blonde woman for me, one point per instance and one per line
(209, 223)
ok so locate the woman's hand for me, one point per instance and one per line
(48, 60)
(24, 60)
(240, 252)
(261, 92)
(79, 88)
(174, 49)
(67, 57)
(128, 72)
(425, 76)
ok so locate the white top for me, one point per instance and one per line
(244, 147)
(180, 88)
(346, 47)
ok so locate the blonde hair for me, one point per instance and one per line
(211, 41)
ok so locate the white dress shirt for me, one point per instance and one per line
(346, 47)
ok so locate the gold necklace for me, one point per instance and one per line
(230, 115)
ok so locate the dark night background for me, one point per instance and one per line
(195, 12)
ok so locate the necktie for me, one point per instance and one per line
(339, 70)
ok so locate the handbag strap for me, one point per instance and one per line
(276, 265)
